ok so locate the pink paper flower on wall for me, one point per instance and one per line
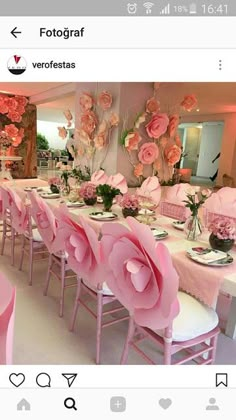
(14, 116)
(100, 141)
(86, 101)
(189, 102)
(172, 154)
(62, 132)
(139, 273)
(157, 125)
(173, 125)
(138, 170)
(152, 106)
(148, 153)
(88, 122)
(132, 140)
(11, 130)
(11, 103)
(21, 101)
(114, 119)
(105, 100)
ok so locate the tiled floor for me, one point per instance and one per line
(42, 337)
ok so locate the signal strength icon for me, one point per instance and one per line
(148, 6)
(166, 10)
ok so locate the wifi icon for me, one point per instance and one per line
(148, 6)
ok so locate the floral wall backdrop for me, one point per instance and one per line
(18, 134)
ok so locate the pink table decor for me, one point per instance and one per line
(150, 188)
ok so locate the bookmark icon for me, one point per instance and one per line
(70, 377)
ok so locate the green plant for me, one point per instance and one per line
(64, 153)
(42, 142)
(107, 193)
(81, 175)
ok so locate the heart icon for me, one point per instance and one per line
(17, 379)
(165, 403)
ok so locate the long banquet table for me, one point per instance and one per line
(201, 281)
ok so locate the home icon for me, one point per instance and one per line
(23, 405)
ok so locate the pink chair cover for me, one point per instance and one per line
(118, 181)
(222, 202)
(150, 188)
(19, 216)
(177, 193)
(82, 245)
(45, 221)
(7, 316)
(99, 177)
(140, 273)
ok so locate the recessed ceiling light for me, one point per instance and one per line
(197, 109)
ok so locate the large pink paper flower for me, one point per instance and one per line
(11, 130)
(173, 125)
(89, 122)
(86, 101)
(99, 177)
(11, 103)
(140, 274)
(132, 140)
(148, 153)
(157, 125)
(3, 105)
(172, 154)
(152, 106)
(105, 100)
(21, 100)
(189, 102)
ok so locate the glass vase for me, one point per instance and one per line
(193, 227)
(107, 202)
(64, 190)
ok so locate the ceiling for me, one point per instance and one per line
(213, 98)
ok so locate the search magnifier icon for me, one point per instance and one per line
(70, 403)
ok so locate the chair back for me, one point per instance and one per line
(118, 181)
(222, 203)
(151, 188)
(99, 177)
(17, 208)
(7, 317)
(45, 221)
(82, 246)
(140, 273)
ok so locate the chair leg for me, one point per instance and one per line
(12, 246)
(214, 344)
(167, 353)
(50, 263)
(99, 326)
(131, 331)
(4, 232)
(22, 253)
(31, 259)
(76, 305)
(63, 272)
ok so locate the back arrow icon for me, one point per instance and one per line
(14, 32)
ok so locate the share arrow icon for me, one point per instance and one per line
(70, 377)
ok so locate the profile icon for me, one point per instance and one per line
(212, 405)
(16, 64)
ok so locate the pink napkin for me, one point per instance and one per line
(150, 188)
(223, 202)
(201, 281)
(118, 181)
(177, 193)
(99, 177)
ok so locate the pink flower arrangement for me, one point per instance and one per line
(129, 201)
(88, 190)
(5, 140)
(223, 228)
(13, 109)
(95, 130)
(162, 146)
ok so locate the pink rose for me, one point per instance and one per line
(20, 109)
(189, 102)
(86, 101)
(14, 116)
(21, 100)
(105, 100)
(132, 140)
(62, 132)
(172, 154)
(157, 125)
(18, 139)
(11, 103)
(152, 106)
(114, 119)
(138, 170)
(3, 105)
(83, 137)
(173, 125)
(88, 122)
(148, 153)
(11, 130)
(100, 141)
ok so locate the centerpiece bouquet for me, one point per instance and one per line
(107, 193)
(223, 233)
(130, 205)
(88, 193)
(195, 199)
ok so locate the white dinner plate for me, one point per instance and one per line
(159, 234)
(49, 195)
(178, 225)
(103, 216)
(75, 204)
(196, 253)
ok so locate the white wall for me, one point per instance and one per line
(211, 140)
(50, 131)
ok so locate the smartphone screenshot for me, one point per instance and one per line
(118, 210)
